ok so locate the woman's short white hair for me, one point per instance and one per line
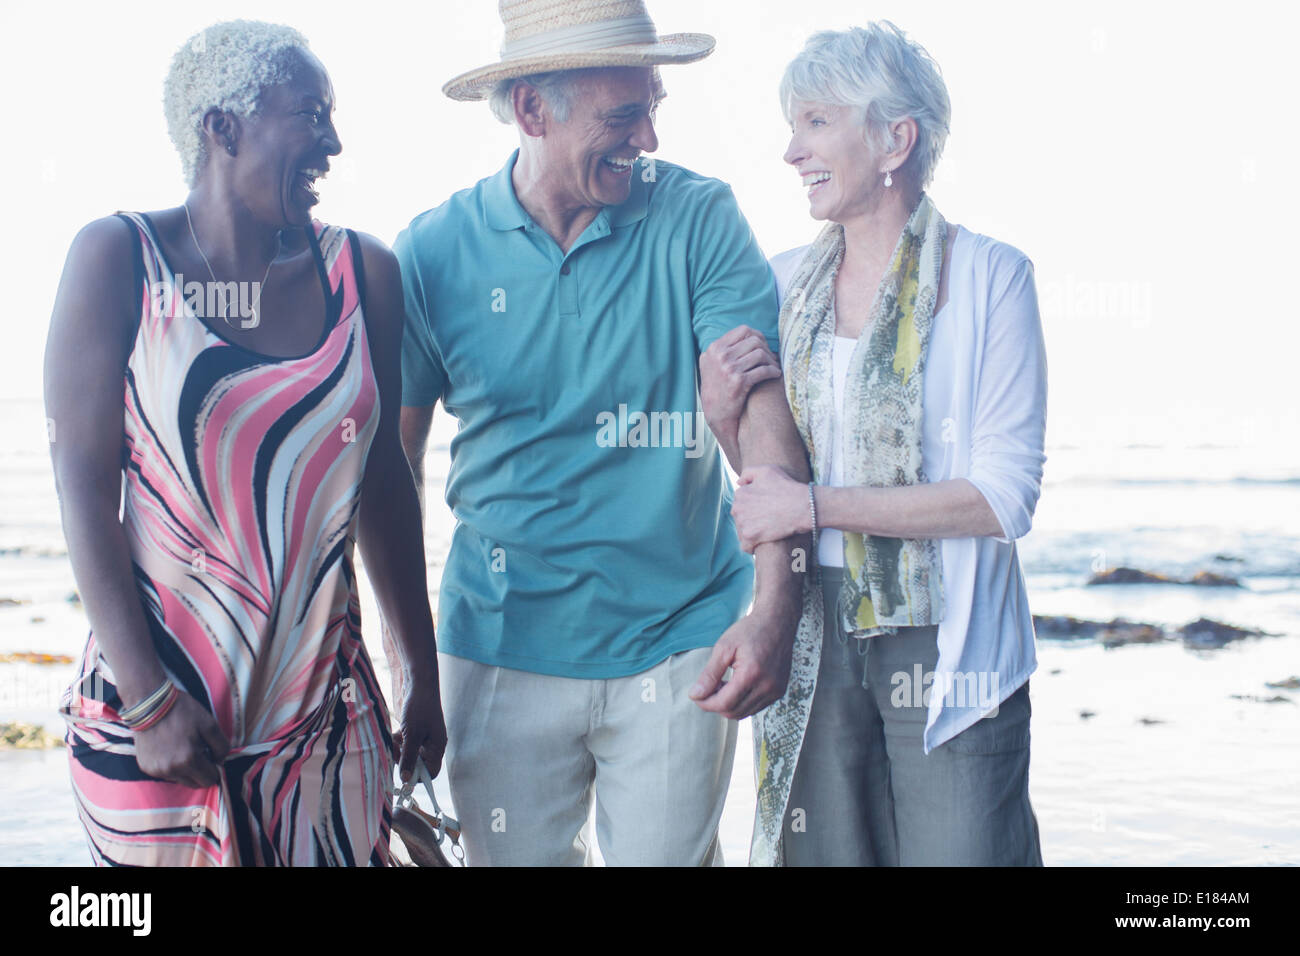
(556, 88)
(884, 75)
(224, 67)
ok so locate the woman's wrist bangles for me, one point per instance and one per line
(812, 507)
(153, 708)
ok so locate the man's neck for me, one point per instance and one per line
(551, 208)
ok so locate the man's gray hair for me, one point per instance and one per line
(224, 67)
(556, 88)
(885, 76)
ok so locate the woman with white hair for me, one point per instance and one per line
(238, 362)
(914, 364)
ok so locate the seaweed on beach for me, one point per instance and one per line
(1202, 579)
(16, 735)
(1201, 633)
(36, 657)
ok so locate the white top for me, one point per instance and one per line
(830, 542)
(984, 407)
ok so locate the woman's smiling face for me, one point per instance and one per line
(286, 147)
(828, 148)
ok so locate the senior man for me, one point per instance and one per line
(592, 614)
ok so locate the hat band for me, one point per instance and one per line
(625, 31)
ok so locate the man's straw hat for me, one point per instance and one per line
(545, 35)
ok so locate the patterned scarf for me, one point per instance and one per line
(888, 582)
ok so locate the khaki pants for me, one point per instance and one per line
(527, 754)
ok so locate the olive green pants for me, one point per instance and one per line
(864, 791)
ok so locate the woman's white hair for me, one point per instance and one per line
(556, 88)
(884, 75)
(224, 67)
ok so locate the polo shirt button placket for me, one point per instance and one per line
(568, 290)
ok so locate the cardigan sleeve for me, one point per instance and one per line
(784, 265)
(1009, 419)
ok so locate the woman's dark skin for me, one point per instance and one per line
(244, 196)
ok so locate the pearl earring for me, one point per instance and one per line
(889, 178)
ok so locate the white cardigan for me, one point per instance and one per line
(984, 405)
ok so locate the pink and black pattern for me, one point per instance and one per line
(242, 487)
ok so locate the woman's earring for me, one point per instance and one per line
(230, 148)
(889, 178)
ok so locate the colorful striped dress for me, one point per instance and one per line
(242, 487)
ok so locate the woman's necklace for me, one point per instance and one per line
(258, 300)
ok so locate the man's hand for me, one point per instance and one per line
(758, 649)
(729, 370)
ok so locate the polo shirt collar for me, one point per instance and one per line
(504, 212)
(501, 208)
(633, 208)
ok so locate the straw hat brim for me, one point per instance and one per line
(674, 48)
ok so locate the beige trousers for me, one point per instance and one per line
(528, 753)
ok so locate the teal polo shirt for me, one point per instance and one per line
(593, 516)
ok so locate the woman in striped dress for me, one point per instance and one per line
(226, 711)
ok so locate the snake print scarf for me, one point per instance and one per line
(888, 582)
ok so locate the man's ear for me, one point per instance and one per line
(530, 109)
(222, 130)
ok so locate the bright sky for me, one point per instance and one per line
(1139, 153)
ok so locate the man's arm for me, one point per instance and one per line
(759, 646)
(729, 369)
(424, 379)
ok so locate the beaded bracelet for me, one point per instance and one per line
(173, 695)
(812, 506)
(149, 711)
(133, 713)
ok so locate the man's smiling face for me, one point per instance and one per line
(590, 157)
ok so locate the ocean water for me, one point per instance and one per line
(1157, 754)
